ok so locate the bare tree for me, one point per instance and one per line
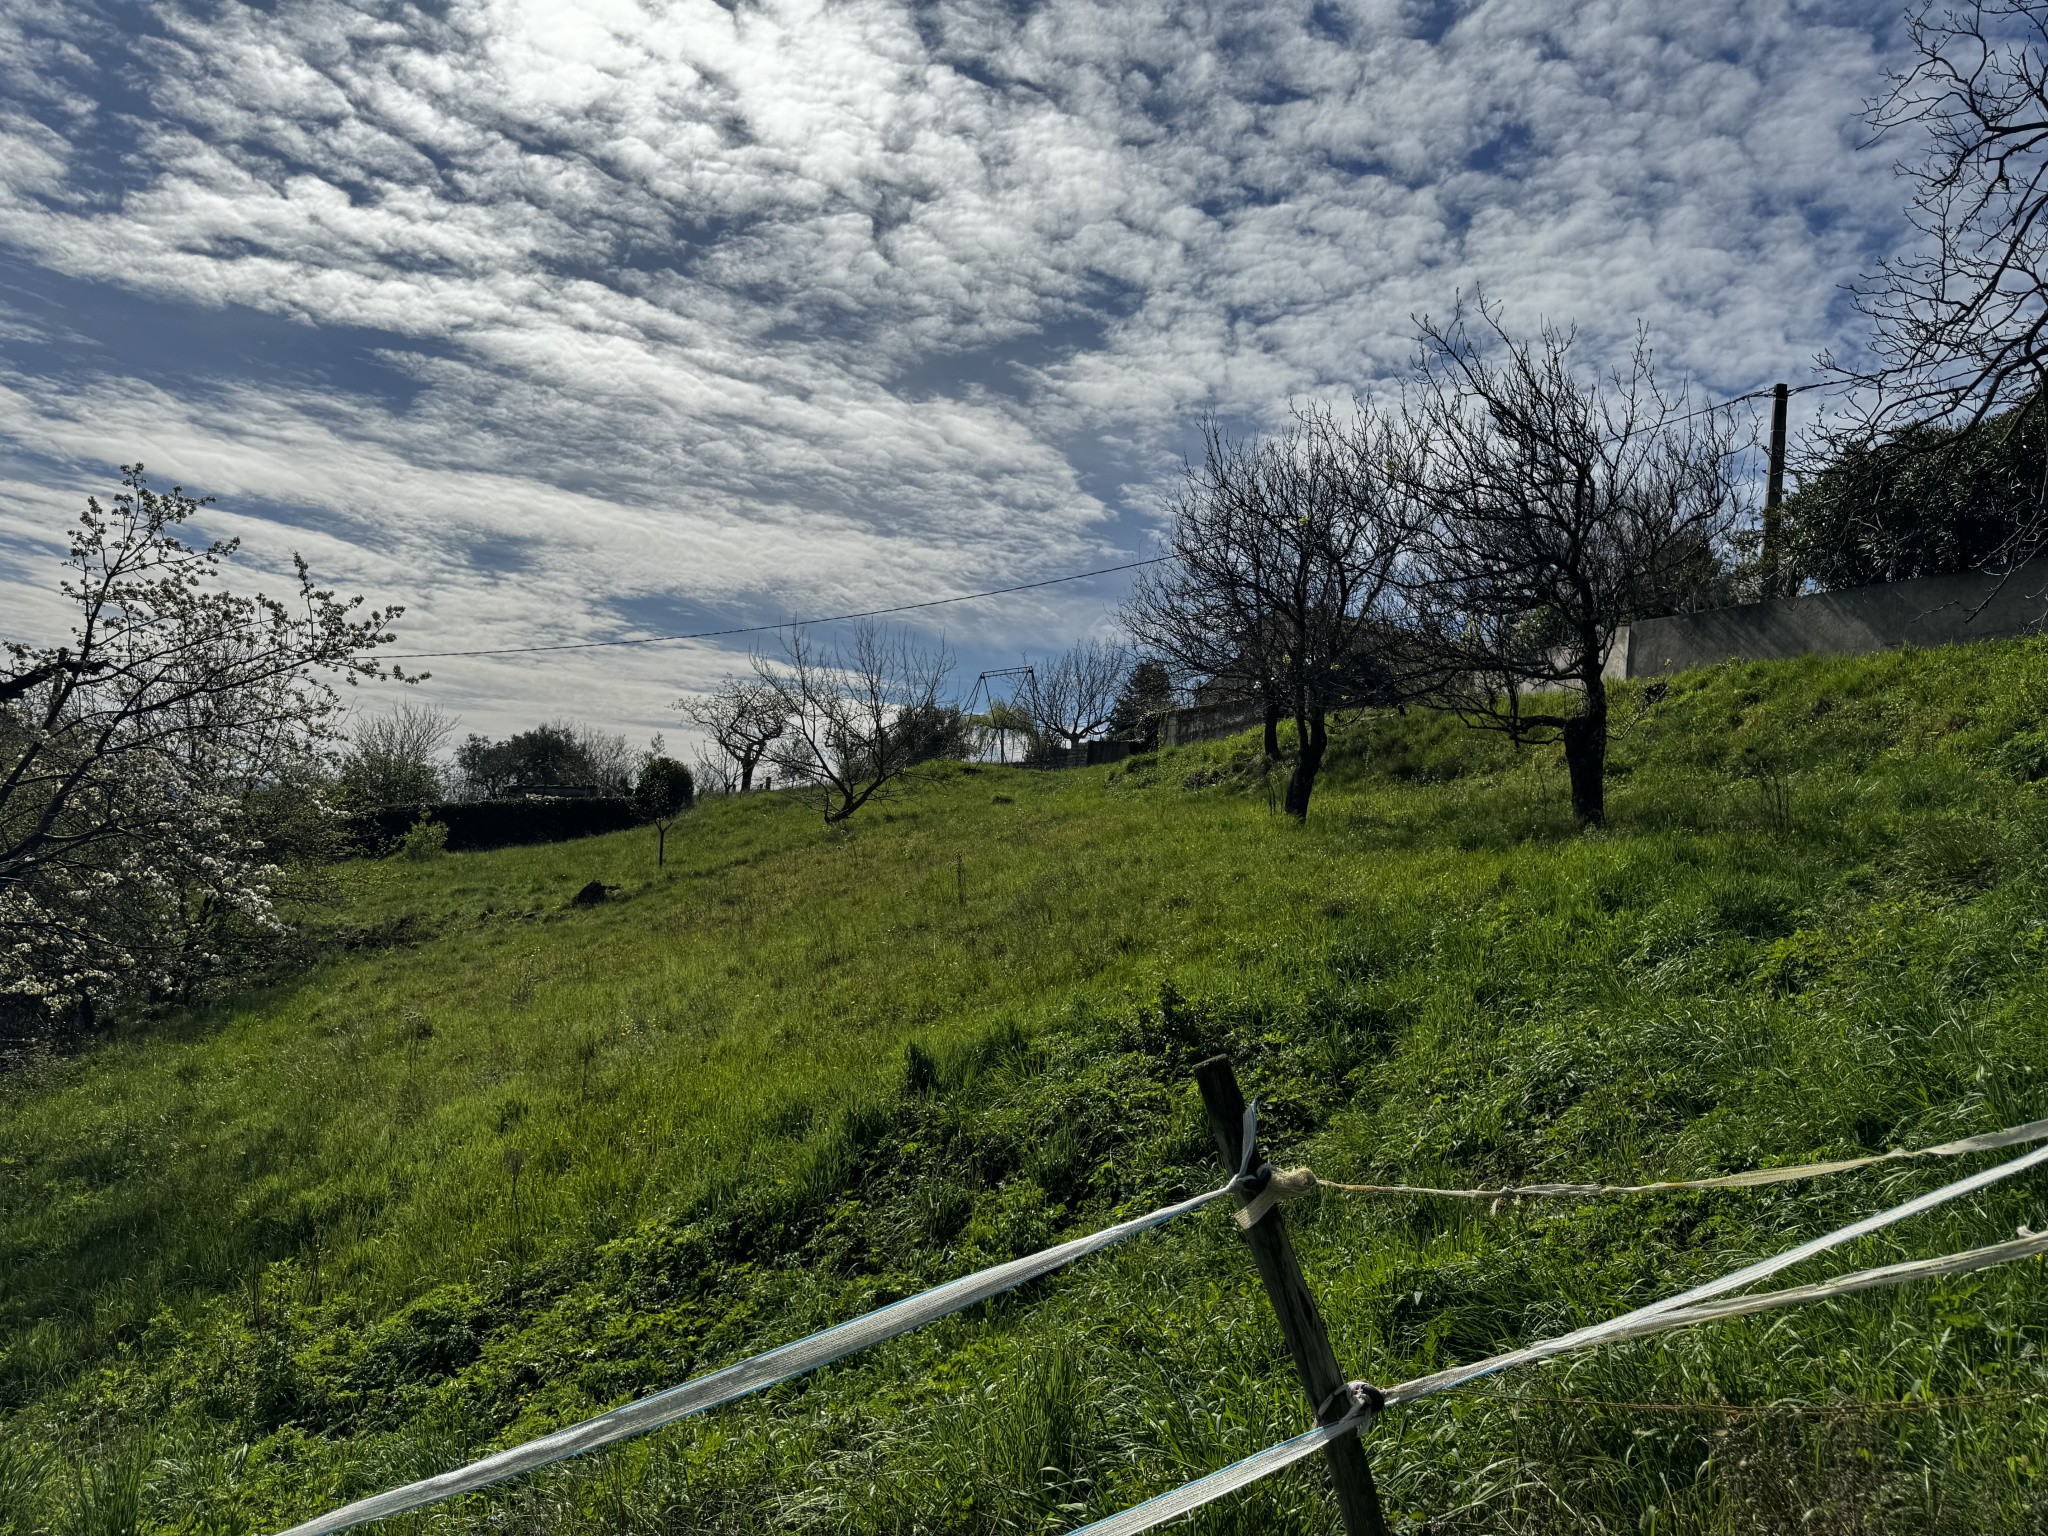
(1961, 319)
(1071, 697)
(744, 717)
(390, 758)
(610, 762)
(1210, 610)
(713, 774)
(1559, 509)
(856, 717)
(1283, 576)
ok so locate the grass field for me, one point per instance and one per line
(497, 1162)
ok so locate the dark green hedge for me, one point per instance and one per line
(478, 824)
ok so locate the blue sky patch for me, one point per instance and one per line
(551, 326)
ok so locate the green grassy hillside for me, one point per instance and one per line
(498, 1162)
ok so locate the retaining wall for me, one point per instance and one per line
(1088, 755)
(1933, 610)
(1209, 722)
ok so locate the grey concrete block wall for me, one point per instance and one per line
(1090, 754)
(1934, 610)
(1209, 722)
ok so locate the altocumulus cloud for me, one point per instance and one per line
(558, 322)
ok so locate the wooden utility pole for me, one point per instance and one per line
(1314, 1361)
(1774, 495)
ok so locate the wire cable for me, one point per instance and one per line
(876, 613)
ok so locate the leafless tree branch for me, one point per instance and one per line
(1559, 508)
(1283, 580)
(1070, 698)
(851, 711)
(744, 718)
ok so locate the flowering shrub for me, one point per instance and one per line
(159, 771)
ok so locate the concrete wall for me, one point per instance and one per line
(1209, 722)
(1090, 754)
(1934, 610)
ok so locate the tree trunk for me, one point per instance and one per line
(1272, 733)
(1585, 755)
(746, 774)
(1311, 734)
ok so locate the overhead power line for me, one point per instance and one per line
(1755, 394)
(876, 613)
(762, 629)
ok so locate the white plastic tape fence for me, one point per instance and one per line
(1677, 1311)
(757, 1373)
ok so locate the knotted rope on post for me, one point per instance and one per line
(1283, 1187)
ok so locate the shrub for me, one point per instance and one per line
(423, 840)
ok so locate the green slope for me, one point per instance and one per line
(274, 1255)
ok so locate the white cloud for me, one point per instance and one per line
(805, 307)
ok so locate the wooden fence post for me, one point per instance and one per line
(1314, 1361)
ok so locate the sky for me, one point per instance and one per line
(557, 322)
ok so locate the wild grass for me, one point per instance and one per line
(497, 1162)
